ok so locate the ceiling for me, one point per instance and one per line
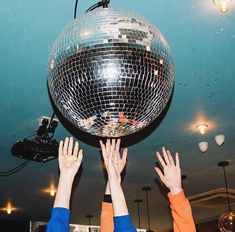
(203, 44)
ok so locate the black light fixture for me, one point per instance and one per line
(89, 216)
(146, 190)
(138, 201)
(226, 222)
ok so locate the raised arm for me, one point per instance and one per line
(171, 177)
(106, 217)
(70, 158)
(110, 152)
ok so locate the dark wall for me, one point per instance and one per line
(208, 227)
(14, 226)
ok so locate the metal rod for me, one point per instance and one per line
(147, 200)
(138, 207)
(89, 221)
(226, 185)
(146, 189)
(75, 9)
(138, 201)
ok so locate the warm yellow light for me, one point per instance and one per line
(202, 128)
(9, 211)
(222, 4)
(52, 192)
(52, 189)
(9, 208)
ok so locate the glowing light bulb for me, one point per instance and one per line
(202, 128)
(222, 4)
(52, 189)
(52, 192)
(8, 211)
(9, 208)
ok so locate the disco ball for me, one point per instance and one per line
(110, 72)
(226, 222)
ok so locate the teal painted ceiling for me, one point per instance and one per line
(203, 44)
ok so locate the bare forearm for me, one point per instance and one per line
(107, 190)
(118, 199)
(63, 194)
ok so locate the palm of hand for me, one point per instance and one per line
(113, 169)
(120, 164)
(69, 164)
(70, 157)
(172, 176)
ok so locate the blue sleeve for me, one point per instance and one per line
(59, 221)
(123, 224)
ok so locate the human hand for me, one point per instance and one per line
(113, 160)
(70, 157)
(171, 175)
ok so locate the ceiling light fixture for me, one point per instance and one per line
(219, 139)
(222, 5)
(202, 128)
(203, 146)
(52, 191)
(9, 208)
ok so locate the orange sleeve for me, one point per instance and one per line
(182, 213)
(106, 217)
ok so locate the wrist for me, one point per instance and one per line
(175, 190)
(66, 177)
(107, 190)
(114, 181)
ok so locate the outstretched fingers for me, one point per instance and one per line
(159, 172)
(103, 150)
(124, 154)
(108, 148)
(76, 149)
(61, 148)
(80, 156)
(165, 155)
(177, 160)
(171, 160)
(162, 162)
(65, 147)
(70, 146)
(117, 146)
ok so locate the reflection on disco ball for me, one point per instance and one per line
(110, 72)
(226, 222)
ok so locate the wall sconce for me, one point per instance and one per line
(222, 5)
(202, 128)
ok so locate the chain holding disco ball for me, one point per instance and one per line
(110, 72)
(226, 222)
